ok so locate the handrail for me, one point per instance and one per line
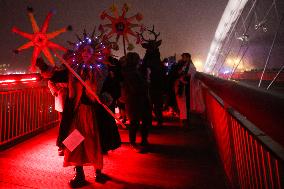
(267, 141)
(250, 157)
(25, 109)
(273, 146)
(263, 108)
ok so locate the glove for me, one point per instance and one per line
(41, 64)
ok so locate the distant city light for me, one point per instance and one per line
(16, 72)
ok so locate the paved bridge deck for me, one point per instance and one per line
(176, 159)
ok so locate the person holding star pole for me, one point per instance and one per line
(86, 71)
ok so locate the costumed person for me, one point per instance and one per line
(112, 83)
(110, 138)
(122, 99)
(185, 72)
(137, 104)
(80, 109)
(59, 91)
(83, 113)
(153, 67)
(171, 78)
(58, 86)
(83, 117)
(113, 87)
(124, 27)
(121, 107)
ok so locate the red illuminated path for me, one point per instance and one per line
(177, 159)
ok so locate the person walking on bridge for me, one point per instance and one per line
(137, 104)
(185, 72)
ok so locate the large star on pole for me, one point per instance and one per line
(40, 39)
(120, 25)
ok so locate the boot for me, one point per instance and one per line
(184, 123)
(100, 177)
(79, 178)
(132, 132)
(144, 136)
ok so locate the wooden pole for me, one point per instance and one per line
(88, 88)
(124, 50)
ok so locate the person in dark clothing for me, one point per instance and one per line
(153, 67)
(152, 63)
(137, 100)
(108, 127)
(170, 103)
(112, 86)
(56, 76)
(115, 77)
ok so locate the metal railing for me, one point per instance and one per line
(250, 158)
(25, 110)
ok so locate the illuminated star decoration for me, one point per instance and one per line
(101, 49)
(40, 39)
(121, 26)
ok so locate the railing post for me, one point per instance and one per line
(232, 146)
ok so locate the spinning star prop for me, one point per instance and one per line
(121, 26)
(40, 39)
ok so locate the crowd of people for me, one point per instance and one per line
(140, 88)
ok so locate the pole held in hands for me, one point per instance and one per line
(88, 88)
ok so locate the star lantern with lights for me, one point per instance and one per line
(101, 46)
(121, 25)
(97, 64)
(40, 39)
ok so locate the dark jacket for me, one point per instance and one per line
(137, 93)
(109, 135)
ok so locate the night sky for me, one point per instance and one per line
(185, 25)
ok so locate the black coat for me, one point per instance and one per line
(109, 135)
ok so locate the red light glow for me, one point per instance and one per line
(8, 81)
(15, 80)
(29, 79)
